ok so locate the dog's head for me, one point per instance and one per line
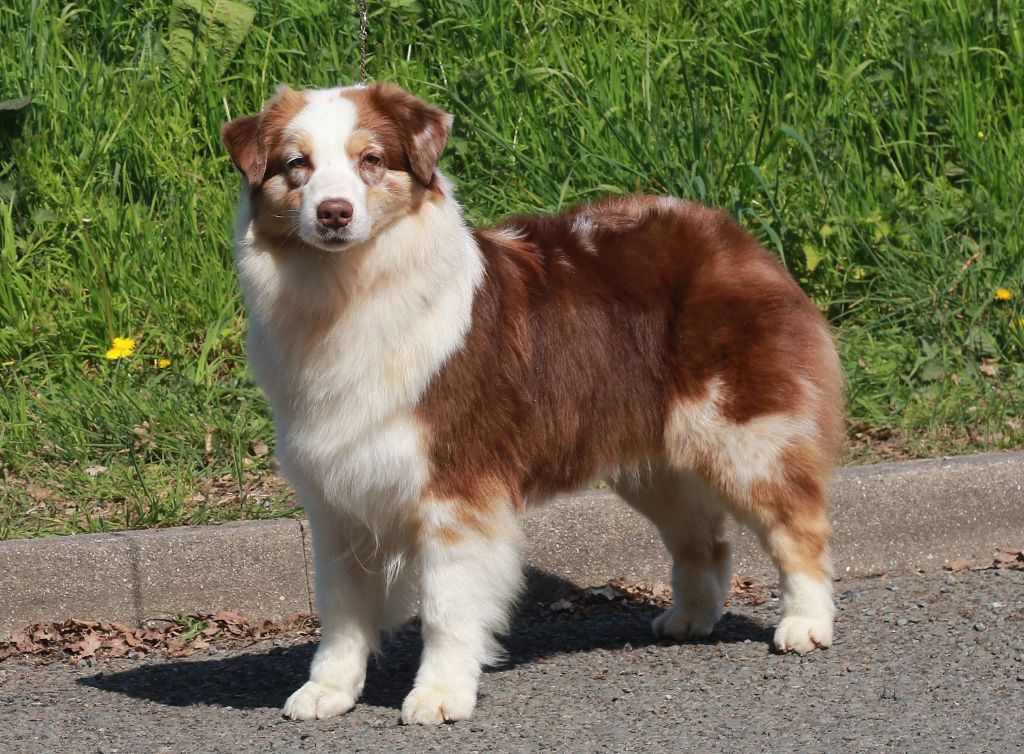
(335, 166)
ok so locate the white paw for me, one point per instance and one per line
(681, 623)
(314, 700)
(798, 633)
(430, 705)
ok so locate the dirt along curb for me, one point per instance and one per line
(889, 518)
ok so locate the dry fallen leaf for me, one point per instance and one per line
(133, 641)
(177, 647)
(88, 645)
(116, 647)
(43, 633)
(958, 564)
(603, 591)
(38, 493)
(1009, 558)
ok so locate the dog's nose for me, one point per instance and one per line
(334, 213)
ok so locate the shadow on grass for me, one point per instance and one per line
(258, 679)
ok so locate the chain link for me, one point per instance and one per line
(362, 40)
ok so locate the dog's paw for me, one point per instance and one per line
(314, 700)
(680, 623)
(431, 705)
(801, 634)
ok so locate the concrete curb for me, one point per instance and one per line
(888, 518)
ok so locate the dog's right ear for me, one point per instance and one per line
(241, 138)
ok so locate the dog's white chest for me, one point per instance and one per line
(343, 384)
(342, 404)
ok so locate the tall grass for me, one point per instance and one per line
(874, 146)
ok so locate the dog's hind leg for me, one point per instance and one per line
(772, 473)
(789, 518)
(689, 516)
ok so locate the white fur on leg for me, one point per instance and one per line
(430, 705)
(335, 680)
(351, 598)
(314, 700)
(698, 597)
(468, 588)
(807, 613)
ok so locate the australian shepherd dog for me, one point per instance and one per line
(430, 381)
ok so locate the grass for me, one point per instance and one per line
(875, 147)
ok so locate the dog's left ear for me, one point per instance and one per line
(241, 138)
(422, 128)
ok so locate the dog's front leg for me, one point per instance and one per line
(470, 574)
(350, 593)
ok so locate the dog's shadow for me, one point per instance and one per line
(265, 679)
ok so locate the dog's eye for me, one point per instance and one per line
(371, 160)
(298, 162)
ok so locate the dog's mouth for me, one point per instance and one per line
(331, 240)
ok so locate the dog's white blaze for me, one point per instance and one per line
(325, 125)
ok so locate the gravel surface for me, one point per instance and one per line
(925, 663)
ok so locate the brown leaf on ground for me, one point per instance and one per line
(87, 646)
(1009, 558)
(958, 564)
(23, 641)
(178, 647)
(132, 639)
(116, 647)
(748, 590)
(44, 633)
(616, 594)
(76, 639)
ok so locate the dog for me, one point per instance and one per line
(430, 381)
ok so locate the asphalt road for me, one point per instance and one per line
(922, 663)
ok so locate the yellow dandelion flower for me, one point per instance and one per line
(981, 134)
(121, 348)
(1003, 294)
(163, 363)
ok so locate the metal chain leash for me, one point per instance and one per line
(362, 4)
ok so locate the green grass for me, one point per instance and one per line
(874, 146)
